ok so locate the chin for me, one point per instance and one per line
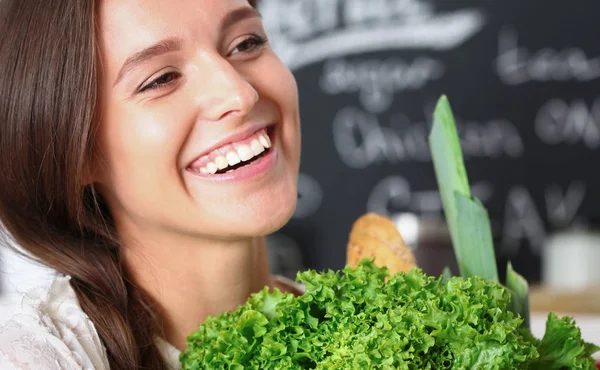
(269, 221)
(264, 220)
(280, 219)
(270, 210)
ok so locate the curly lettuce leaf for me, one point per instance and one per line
(562, 347)
(364, 319)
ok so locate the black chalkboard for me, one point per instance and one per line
(523, 78)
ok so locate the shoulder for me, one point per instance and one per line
(45, 328)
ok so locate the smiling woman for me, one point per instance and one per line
(147, 149)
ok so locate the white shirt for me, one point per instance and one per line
(48, 329)
(42, 325)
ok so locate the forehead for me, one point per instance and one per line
(126, 26)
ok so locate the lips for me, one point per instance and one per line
(231, 156)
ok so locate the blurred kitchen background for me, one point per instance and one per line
(523, 79)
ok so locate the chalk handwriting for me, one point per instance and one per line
(562, 207)
(559, 122)
(393, 195)
(522, 221)
(522, 217)
(516, 64)
(361, 140)
(377, 81)
(326, 29)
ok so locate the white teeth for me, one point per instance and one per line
(264, 140)
(233, 158)
(241, 153)
(221, 162)
(244, 152)
(256, 147)
(212, 168)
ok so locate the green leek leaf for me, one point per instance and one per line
(519, 289)
(475, 238)
(470, 232)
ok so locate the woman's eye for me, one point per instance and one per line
(250, 44)
(163, 81)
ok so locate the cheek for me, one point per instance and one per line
(287, 89)
(283, 90)
(276, 82)
(139, 149)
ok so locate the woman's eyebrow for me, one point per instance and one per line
(164, 46)
(237, 15)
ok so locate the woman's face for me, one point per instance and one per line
(199, 129)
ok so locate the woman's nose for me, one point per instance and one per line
(225, 91)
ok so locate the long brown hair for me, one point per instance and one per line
(48, 94)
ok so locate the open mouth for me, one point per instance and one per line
(234, 156)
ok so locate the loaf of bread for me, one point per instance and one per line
(376, 237)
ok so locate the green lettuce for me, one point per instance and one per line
(362, 318)
(562, 347)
